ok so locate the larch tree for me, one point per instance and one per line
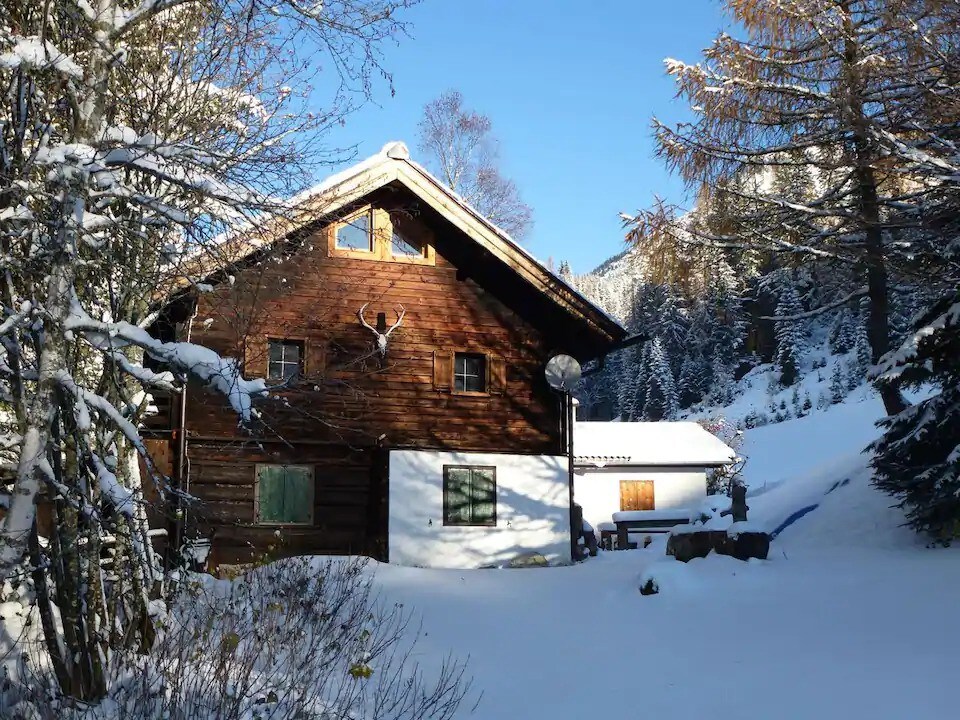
(861, 95)
(132, 134)
(459, 145)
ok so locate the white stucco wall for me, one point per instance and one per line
(597, 490)
(533, 512)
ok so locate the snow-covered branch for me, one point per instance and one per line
(823, 309)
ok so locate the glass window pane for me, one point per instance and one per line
(291, 353)
(402, 247)
(276, 351)
(356, 235)
(473, 365)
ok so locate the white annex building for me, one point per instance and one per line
(648, 466)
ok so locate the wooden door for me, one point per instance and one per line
(636, 495)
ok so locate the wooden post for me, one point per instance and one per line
(738, 502)
(574, 531)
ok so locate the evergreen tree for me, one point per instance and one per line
(641, 381)
(693, 379)
(917, 460)
(722, 389)
(788, 334)
(842, 333)
(862, 348)
(838, 387)
(661, 401)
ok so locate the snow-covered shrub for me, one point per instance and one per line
(299, 638)
(719, 479)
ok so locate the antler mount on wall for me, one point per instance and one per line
(382, 337)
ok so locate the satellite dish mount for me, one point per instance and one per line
(563, 373)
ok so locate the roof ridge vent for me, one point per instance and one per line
(396, 151)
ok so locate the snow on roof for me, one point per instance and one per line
(647, 443)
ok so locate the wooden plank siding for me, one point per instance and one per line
(352, 406)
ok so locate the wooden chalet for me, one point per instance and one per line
(434, 440)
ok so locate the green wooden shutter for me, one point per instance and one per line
(285, 494)
(298, 495)
(270, 493)
(456, 496)
(483, 487)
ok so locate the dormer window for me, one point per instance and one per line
(356, 234)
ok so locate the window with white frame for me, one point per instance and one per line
(285, 359)
(469, 372)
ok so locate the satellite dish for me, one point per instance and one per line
(563, 372)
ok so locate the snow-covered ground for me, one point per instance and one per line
(850, 617)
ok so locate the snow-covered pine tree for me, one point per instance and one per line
(861, 346)
(788, 333)
(917, 460)
(842, 332)
(722, 384)
(133, 133)
(771, 98)
(690, 381)
(694, 377)
(661, 401)
(639, 382)
(838, 385)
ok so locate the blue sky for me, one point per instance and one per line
(570, 88)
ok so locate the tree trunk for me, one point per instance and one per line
(867, 198)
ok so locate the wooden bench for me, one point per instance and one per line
(657, 525)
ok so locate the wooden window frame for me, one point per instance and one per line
(381, 231)
(486, 374)
(337, 251)
(256, 495)
(428, 258)
(493, 470)
(302, 341)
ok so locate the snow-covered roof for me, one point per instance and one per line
(648, 443)
(393, 164)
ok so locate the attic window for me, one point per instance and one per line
(356, 234)
(401, 246)
(375, 233)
